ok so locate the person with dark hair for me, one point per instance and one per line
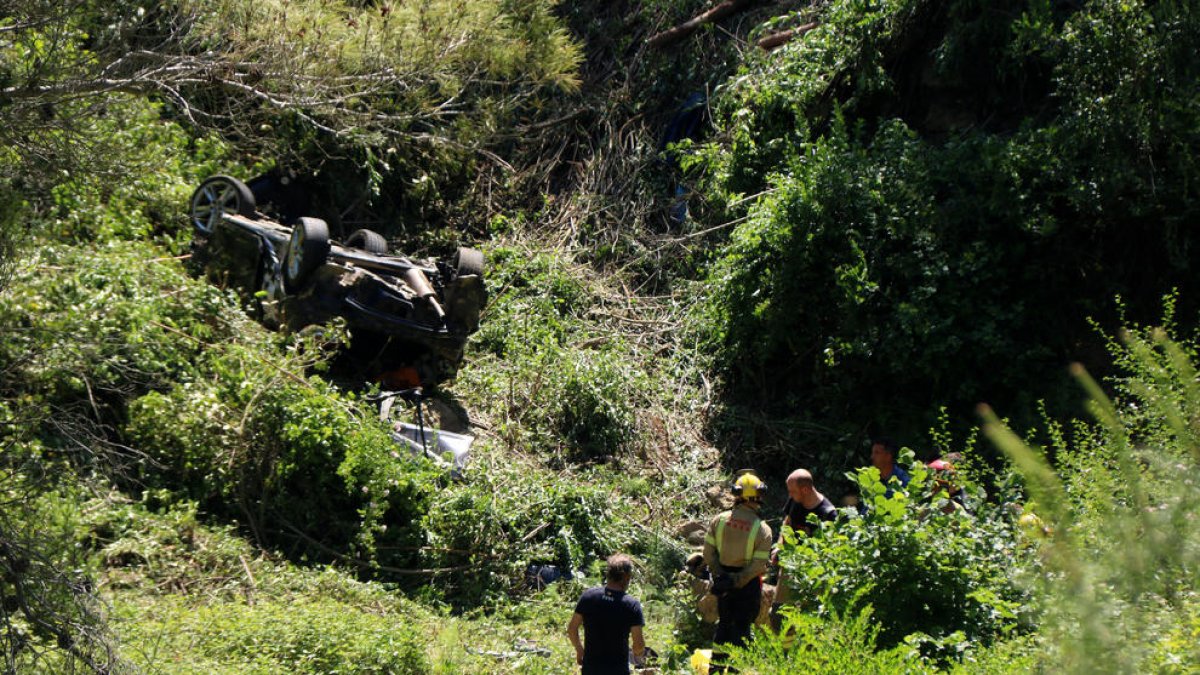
(883, 457)
(609, 617)
(737, 550)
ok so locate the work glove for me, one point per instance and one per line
(722, 584)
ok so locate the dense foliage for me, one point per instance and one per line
(936, 575)
(911, 206)
(392, 105)
(937, 198)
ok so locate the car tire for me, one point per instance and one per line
(468, 261)
(307, 250)
(369, 241)
(216, 197)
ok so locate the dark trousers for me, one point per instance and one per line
(737, 611)
(605, 669)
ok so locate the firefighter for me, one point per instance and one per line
(737, 550)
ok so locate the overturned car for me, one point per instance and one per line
(408, 320)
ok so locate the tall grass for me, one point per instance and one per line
(1122, 502)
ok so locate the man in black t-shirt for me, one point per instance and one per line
(803, 500)
(609, 618)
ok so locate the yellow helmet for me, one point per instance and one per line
(748, 486)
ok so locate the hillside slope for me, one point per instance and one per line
(701, 256)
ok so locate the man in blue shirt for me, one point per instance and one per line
(609, 618)
(883, 457)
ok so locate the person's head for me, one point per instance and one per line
(941, 465)
(800, 485)
(943, 476)
(618, 570)
(748, 489)
(883, 454)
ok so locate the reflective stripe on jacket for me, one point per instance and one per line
(739, 539)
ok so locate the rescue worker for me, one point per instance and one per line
(737, 550)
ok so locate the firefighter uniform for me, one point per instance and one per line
(738, 544)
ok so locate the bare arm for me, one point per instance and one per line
(712, 557)
(639, 644)
(787, 522)
(573, 634)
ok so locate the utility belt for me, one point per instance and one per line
(732, 570)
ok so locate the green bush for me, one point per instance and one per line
(108, 322)
(512, 514)
(841, 643)
(536, 301)
(311, 471)
(563, 384)
(595, 410)
(943, 580)
(151, 166)
(213, 406)
(312, 636)
(51, 618)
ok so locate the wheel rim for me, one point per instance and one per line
(213, 202)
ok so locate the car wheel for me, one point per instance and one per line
(468, 261)
(369, 241)
(307, 250)
(216, 197)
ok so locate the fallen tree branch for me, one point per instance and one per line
(783, 37)
(673, 35)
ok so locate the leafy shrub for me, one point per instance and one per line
(563, 387)
(52, 619)
(310, 471)
(945, 574)
(116, 319)
(1014, 655)
(217, 409)
(152, 166)
(536, 301)
(841, 643)
(595, 411)
(513, 514)
(314, 636)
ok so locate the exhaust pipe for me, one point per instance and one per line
(417, 281)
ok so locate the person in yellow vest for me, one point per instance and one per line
(737, 550)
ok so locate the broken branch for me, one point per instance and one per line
(783, 37)
(673, 35)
